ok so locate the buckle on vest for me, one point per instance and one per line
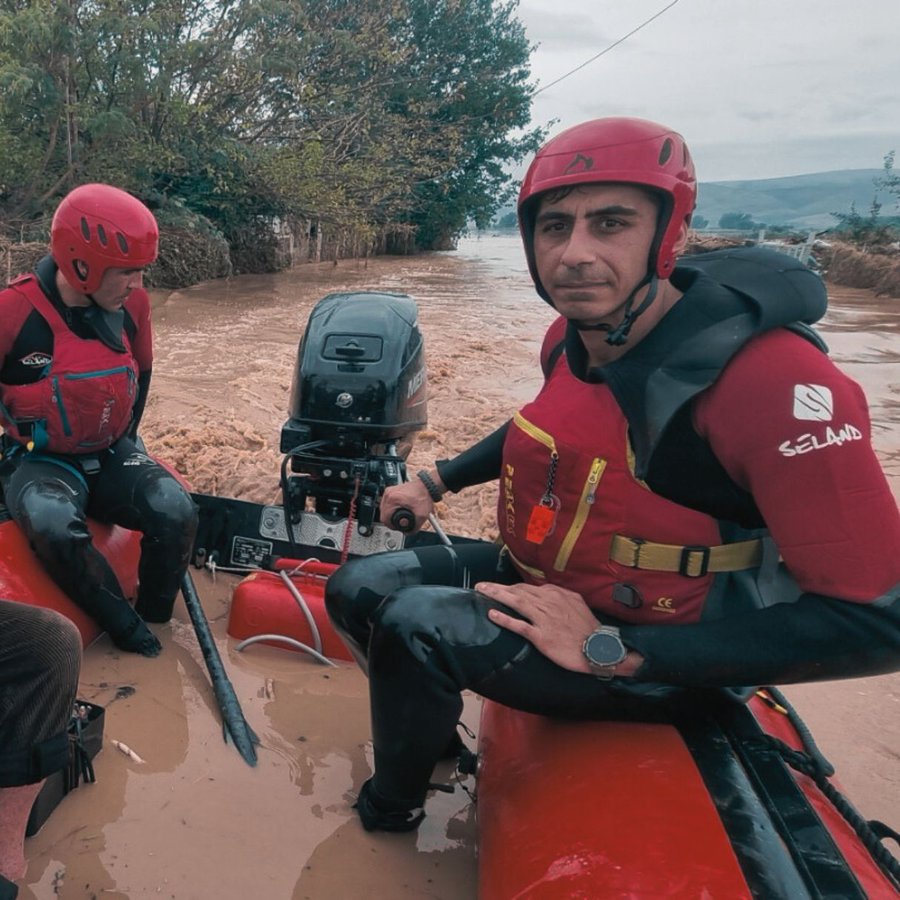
(689, 562)
(90, 465)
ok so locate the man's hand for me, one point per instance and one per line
(412, 495)
(556, 620)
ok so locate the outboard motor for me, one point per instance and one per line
(358, 396)
(359, 391)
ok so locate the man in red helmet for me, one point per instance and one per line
(691, 502)
(76, 356)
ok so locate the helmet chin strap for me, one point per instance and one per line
(619, 335)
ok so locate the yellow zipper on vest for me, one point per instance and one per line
(584, 507)
(533, 431)
(531, 570)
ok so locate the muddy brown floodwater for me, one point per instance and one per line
(194, 822)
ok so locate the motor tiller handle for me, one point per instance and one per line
(403, 520)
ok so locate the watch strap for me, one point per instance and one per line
(434, 491)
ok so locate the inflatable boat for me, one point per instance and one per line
(23, 578)
(729, 800)
(725, 800)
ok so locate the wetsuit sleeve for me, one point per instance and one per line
(817, 638)
(477, 465)
(793, 430)
(143, 389)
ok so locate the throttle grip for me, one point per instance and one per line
(403, 519)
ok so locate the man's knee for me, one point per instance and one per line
(343, 588)
(356, 589)
(58, 650)
(435, 614)
(49, 515)
(170, 508)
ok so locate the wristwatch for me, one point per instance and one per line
(604, 650)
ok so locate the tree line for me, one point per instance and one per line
(871, 228)
(383, 121)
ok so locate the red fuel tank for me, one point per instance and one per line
(265, 603)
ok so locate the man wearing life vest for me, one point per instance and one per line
(76, 355)
(691, 502)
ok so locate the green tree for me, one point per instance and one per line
(738, 220)
(365, 115)
(890, 180)
(35, 101)
(859, 228)
(135, 92)
(472, 64)
(872, 228)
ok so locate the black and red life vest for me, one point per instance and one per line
(594, 492)
(84, 399)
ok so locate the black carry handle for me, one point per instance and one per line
(402, 519)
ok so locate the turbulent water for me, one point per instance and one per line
(194, 821)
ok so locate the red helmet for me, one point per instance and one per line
(98, 227)
(631, 151)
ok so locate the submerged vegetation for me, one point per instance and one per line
(353, 126)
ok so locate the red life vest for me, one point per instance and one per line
(574, 508)
(83, 402)
(567, 487)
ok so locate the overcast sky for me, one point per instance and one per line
(759, 88)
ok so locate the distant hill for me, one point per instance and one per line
(802, 201)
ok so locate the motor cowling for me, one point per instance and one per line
(360, 377)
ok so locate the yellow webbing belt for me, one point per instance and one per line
(693, 561)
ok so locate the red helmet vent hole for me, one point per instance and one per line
(85, 229)
(123, 244)
(101, 233)
(665, 152)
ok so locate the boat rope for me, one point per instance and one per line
(212, 568)
(811, 762)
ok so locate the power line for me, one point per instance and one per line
(607, 49)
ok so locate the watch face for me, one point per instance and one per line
(604, 649)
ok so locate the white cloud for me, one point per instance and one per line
(762, 88)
